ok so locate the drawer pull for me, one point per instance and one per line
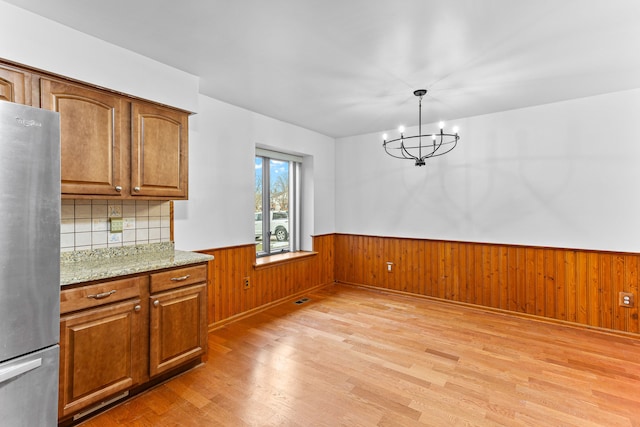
(102, 295)
(137, 308)
(181, 278)
(156, 303)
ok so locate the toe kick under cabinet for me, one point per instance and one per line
(122, 334)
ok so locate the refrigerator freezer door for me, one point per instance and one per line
(29, 389)
(30, 231)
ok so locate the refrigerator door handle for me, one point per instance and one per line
(11, 372)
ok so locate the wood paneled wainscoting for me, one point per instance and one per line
(268, 284)
(571, 285)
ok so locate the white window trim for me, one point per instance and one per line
(295, 187)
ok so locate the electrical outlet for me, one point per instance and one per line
(625, 299)
(116, 224)
(246, 284)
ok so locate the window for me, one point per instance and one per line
(277, 207)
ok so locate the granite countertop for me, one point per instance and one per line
(85, 266)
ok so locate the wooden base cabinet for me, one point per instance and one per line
(177, 333)
(100, 349)
(123, 334)
(178, 317)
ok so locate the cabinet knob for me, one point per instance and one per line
(137, 308)
(156, 303)
(118, 188)
(136, 189)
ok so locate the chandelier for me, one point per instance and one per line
(413, 147)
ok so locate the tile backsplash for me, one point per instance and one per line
(85, 223)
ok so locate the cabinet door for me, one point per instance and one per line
(100, 351)
(178, 327)
(159, 151)
(91, 137)
(15, 86)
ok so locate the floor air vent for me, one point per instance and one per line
(301, 301)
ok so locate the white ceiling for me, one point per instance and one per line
(348, 67)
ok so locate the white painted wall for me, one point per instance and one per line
(561, 175)
(219, 212)
(38, 42)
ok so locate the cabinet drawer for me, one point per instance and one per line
(100, 294)
(178, 277)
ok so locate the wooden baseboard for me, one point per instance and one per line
(248, 313)
(495, 310)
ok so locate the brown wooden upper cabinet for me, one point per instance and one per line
(91, 135)
(159, 151)
(15, 85)
(115, 147)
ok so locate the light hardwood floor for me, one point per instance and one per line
(355, 357)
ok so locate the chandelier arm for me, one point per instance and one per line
(408, 156)
(403, 157)
(394, 155)
(434, 154)
(436, 147)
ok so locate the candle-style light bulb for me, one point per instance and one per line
(384, 136)
(433, 136)
(401, 129)
(455, 130)
(441, 124)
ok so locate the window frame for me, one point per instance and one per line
(294, 200)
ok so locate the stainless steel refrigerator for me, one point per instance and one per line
(29, 265)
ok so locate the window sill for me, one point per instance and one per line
(273, 260)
